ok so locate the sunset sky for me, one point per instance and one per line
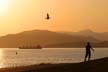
(66, 15)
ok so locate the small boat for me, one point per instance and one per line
(31, 47)
(16, 53)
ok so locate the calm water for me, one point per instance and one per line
(8, 57)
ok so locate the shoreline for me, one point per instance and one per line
(98, 65)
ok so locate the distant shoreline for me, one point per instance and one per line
(98, 65)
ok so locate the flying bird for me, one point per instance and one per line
(48, 17)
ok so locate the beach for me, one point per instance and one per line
(98, 65)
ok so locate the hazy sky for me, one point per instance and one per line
(66, 15)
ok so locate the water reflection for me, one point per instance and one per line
(9, 58)
(1, 58)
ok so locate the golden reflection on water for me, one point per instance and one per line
(9, 58)
(1, 58)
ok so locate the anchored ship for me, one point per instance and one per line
(31, 47)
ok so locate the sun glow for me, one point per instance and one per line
(5, 5)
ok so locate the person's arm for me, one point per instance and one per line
(92, 49)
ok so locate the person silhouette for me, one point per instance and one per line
(88, 51)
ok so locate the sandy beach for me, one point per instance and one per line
(98, 65)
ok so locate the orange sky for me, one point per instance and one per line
(66, 15)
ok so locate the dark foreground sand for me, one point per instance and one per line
(99, 65)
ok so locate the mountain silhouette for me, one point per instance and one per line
(42, 37)
(103, 36)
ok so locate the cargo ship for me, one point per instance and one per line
(31, 47)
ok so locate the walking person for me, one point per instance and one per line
(88, 51)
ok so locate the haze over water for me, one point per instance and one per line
(9, 58)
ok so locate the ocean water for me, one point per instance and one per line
(9, 58)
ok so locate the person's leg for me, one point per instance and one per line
(85, 57)
(89, 56)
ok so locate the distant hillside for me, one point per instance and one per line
(103, 44)
(43, 37)
(100, 36)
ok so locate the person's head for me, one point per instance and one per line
(88, 43)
